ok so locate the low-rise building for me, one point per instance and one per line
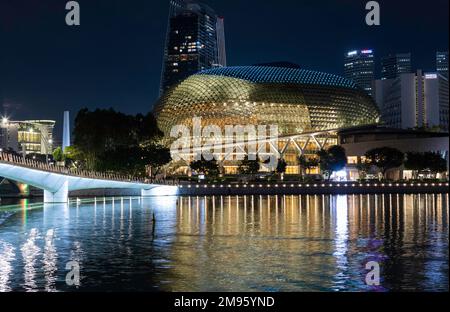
(358, 141)
(29, 136)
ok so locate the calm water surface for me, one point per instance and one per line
(253, 243)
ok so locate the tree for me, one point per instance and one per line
(302, 164)
(101, 132)
(248, 166)
(312, 163)
(306, 164)
(156, 156)
(363, 168)
(281, 166)
(429, 161)
(112, 141)
(147, 128)
(385, 158)
(206, 167)
(135, 160)
(331, 160)
(73, 157)
(58, 154)
(72, 153)
(415, 162)
(436, 164)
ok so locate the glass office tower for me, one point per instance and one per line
(195, 41)
(395, 64)
(442, 63)
(359, 67)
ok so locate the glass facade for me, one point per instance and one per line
(195, 41)
(307, 107)
(296, 100)
(30, 136)
(359, 67)
(394, 65)
(442, 63)
(36, 137)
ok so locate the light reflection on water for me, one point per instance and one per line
(247, 243)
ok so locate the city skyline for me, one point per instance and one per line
(115, 58)
(211, 148)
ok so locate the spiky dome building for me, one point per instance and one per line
(307, 106)
(295, 99)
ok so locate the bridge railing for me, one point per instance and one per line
(42, 166)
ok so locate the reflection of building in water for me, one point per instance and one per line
(335, 234)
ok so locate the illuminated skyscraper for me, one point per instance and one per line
(442, 63)
(395, 64)
(195, 41)
(221, 51)
(414, 100)
(359, 67)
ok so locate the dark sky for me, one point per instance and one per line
(114, 58)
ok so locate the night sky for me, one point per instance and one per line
(114, 58)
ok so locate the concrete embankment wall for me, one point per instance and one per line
(105, 193)
(83, 193)
(288, 189)
(303, 190)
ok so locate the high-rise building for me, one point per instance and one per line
(416, 100)
(395, 64)
(221, 50)
(442, 63)
(195, 41)
(28, 137)
(359, 67)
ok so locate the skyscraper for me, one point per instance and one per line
(442, 63)
(395, 64)
(195, 41)
(359, 67)
(413, 100)
(221, 51)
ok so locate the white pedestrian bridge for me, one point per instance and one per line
(57, 182)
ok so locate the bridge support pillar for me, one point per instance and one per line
(60, 196)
